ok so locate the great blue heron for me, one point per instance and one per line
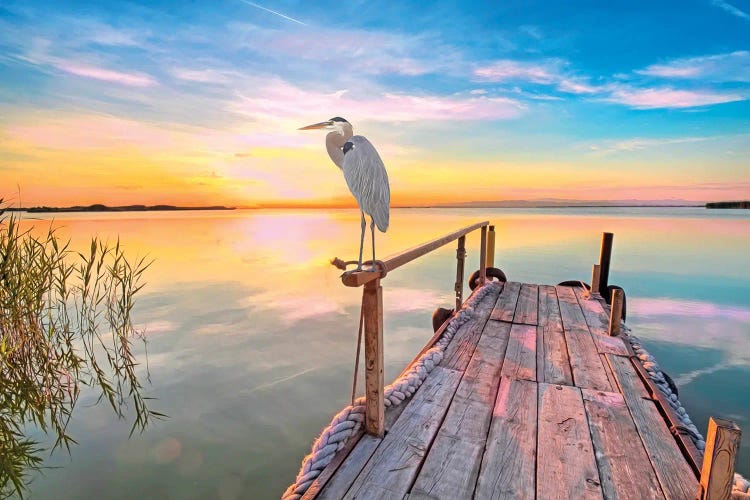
(364, 173)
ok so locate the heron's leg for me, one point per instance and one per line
(372, 230)
(361, 241)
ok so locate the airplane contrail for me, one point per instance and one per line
(273, 12)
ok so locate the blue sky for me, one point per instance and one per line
(651, 99)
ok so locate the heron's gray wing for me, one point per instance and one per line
(368, 181)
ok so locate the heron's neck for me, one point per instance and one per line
(334, 142)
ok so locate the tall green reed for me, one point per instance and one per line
(65, 323)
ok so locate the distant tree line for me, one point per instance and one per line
(728, 204)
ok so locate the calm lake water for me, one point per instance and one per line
(252, 335)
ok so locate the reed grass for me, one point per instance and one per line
(65, 324)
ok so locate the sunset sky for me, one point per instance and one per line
(199, 102)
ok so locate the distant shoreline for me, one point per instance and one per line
(555, 206)
(174, 208)
(123, 208)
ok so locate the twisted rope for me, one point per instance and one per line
(655, 373)
(348, 421)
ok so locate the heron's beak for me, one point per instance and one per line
(317, 125)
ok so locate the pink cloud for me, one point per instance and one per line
(279, 100)
(107, 75)
(729, 67)
(669, 98)
(577, 87)
(668, 71)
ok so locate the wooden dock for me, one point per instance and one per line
(533, 399)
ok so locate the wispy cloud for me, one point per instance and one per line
(729, 67)
(639, 143)
(510, 70)
(545, 72)
(655, 98)
(273, 12)
(731, 9)
(205, 75)
(107, 75)
(577, 87)
(280, 100)
(349, 52)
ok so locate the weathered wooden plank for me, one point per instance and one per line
(597, 319)
(570, 311)
(520, 356)
(624, 467)
(588, 370)
(399, 456)
(528, 303)
(593, 312)
(509, 461)
(565, 455)
(675, 475)
(461, 348)
(505, 307)
(451, 467)
(553, 358)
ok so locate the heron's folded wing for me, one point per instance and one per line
(368, 181)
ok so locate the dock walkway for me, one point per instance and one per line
(532, 399)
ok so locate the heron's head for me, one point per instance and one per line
(336, 124)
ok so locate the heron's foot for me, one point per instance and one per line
(377, 267)
(351, 271)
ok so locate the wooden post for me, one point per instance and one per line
(483, 257)
(595, 273)
(717, 473)
(604, 259)
(615, 315)
(373, 312)
(491, 247)
(460, 259)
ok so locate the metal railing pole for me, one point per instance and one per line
(460, 259)
(483, 257)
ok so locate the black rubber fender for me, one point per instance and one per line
(439, 317)
(670, 383)
(574, 283)
(492, 272)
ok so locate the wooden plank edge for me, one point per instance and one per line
(692, 454)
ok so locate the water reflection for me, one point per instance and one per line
(252, 335)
